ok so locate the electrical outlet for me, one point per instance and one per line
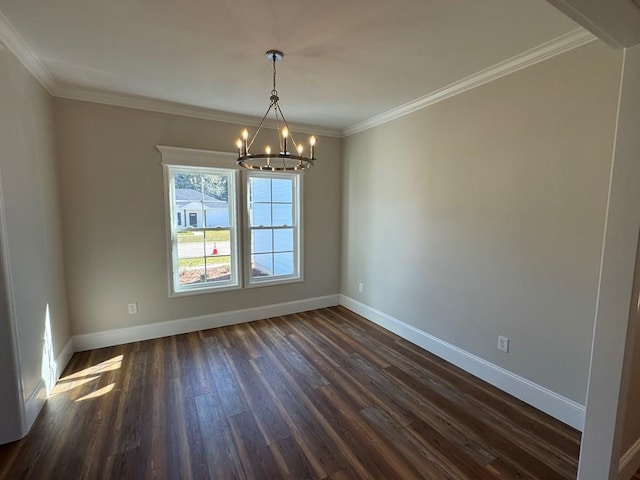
(361, 287)
(503, 344)
(133, 308)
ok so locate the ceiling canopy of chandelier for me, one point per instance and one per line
(282, 159)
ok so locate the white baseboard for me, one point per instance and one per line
(120, 336)
(63, 358)
(562, 408)
(38, 397)
(33, 405)
(629, 462)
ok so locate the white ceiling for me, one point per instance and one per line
(345, 60)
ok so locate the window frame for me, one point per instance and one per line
(188, 158)
(203, 161)
(297, 196)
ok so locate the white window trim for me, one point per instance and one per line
(297, 215)
(189, 157)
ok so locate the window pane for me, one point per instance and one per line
(218, 243)
(283, 240)
(191, 270)
(261, 214)
(201, 199)
(217, 214)
(283, 263)
(262, 265)
(261, 241)
(260, 189)
(282, 214)
(191, 245)
(282, 190)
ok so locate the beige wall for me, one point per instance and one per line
(114, 217)
(33, 248)
(483, 215)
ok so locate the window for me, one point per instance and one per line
(204, 253)
(273, 234)
(229, 228)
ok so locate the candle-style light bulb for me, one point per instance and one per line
(267, 150)
(245, 135)
(239, 144)
(300, 149)
(285, 134)
(312, 142)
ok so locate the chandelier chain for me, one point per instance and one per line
(274, 92)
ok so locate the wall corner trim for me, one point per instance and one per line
(137, 333)
(16, 45)
(559, 407)
(561, 44)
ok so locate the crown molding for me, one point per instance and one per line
(16, 45)
(561, 44)
(174, 108)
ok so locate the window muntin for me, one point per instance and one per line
(204, 238)
(273, 210)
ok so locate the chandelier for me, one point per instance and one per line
(283, 159)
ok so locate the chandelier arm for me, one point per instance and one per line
(278, 131)
(260, 126)
(286, 124)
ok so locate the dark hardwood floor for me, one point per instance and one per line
(318, 395)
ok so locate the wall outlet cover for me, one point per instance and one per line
(503, 344)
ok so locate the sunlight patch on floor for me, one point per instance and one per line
(108, 365)
(64, 386)
(88, 375)
(97, 393)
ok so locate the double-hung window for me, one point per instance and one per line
(272, 227)
(229, 228)
(204, 249)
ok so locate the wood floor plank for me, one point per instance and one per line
(313, 442)
(222, 457)
(255, 456)
(268, 418)
(420, 453)
(336, 360)
(291, 460)
(322, 395)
